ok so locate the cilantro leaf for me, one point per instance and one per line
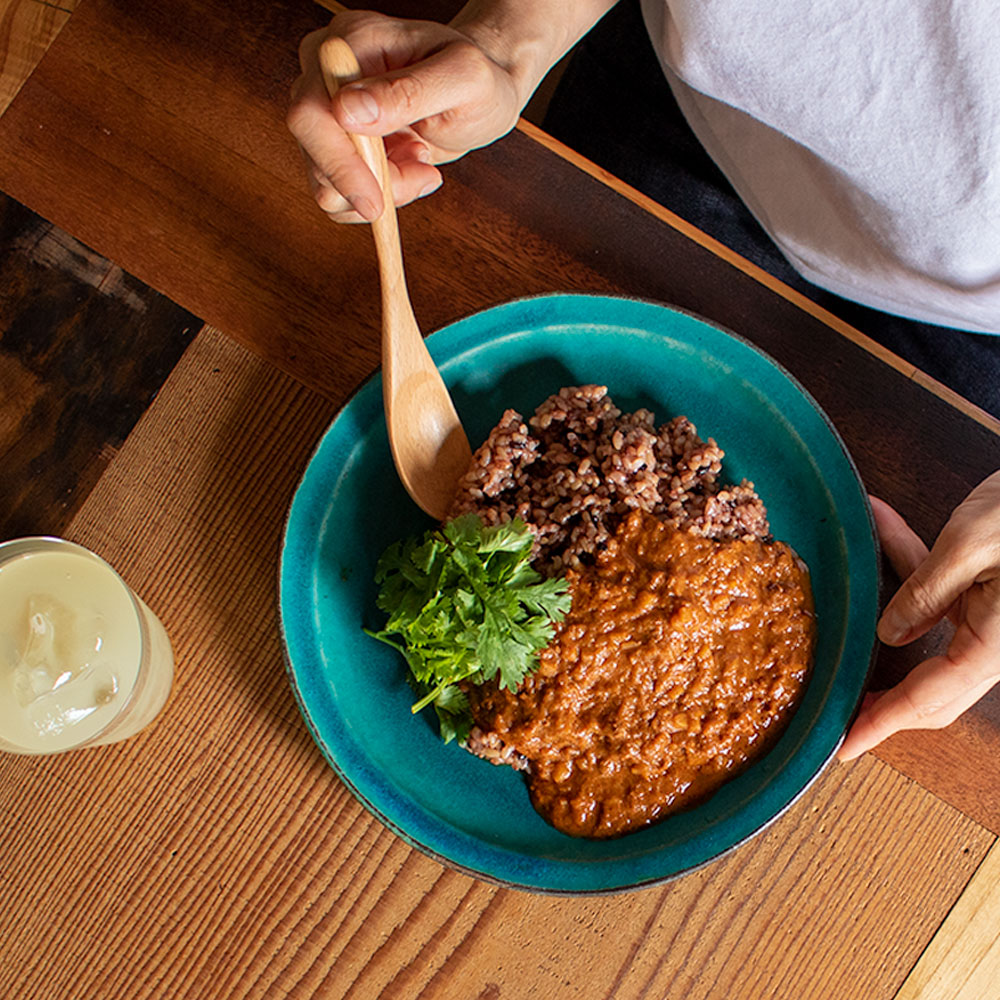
(464, 604)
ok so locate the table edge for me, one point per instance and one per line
(696, 235)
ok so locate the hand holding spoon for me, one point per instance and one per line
(429, 446)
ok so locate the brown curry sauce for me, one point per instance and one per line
(681, 661)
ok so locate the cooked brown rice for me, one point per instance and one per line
(579, 465)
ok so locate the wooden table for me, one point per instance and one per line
(178, 325)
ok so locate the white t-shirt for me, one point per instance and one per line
(864, 135)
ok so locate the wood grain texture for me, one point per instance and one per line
(27, 28)
(178, 167)
(84, 347)
(963, 960)
(209, 205)
(238, 922)
(217, 855)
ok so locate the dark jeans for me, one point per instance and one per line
(615, 107)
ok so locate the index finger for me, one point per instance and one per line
(324, 141)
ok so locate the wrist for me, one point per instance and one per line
(526, 38)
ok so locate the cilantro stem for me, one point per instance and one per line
(428, 698)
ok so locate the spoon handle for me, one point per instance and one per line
(339, 66)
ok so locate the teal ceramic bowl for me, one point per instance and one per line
(349, 506)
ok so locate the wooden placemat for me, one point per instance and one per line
(217, 855)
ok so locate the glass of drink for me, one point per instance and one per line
(83, 661)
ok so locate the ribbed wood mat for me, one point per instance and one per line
(217, 855)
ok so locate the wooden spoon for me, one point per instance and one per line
(429, 446)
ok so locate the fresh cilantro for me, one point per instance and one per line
(465, 604)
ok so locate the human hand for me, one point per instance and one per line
(960, 578)
(433, 92)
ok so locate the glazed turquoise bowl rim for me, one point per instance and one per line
(342, 756)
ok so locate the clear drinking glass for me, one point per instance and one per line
(83, 661)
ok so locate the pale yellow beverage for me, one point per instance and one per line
(83, 661)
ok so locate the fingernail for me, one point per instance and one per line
(364, 206)
(359, 107)
(430, 188)
(851, 753)
(424, 155)
(893, 627)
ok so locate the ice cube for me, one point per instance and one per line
(72, 701)
(58, 645)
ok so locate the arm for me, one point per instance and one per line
(960, 578)
(433, 91)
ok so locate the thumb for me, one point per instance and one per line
(383, 104)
